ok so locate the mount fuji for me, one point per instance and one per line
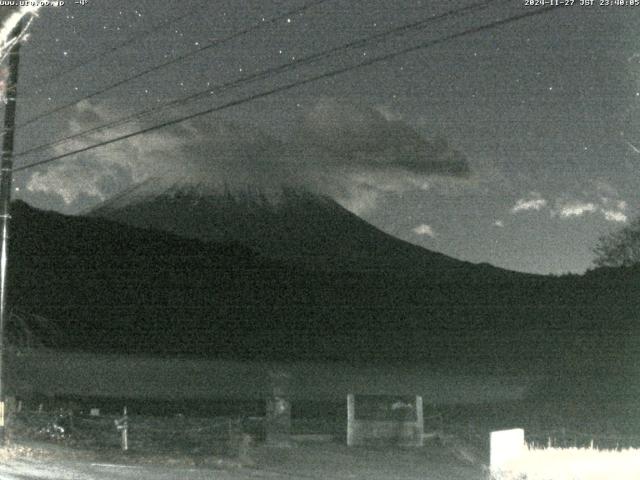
(289, 224)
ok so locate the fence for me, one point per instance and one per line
(145, 434)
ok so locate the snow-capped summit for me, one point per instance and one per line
(290, 223)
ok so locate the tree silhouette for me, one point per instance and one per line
(619, 248)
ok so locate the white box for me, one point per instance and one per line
(506, 446)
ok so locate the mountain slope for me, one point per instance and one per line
(293, 225)
(114, 288)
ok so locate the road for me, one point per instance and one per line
(40, 470)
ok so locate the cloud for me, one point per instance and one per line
(533, 202)
(608, 204)
(614, 216)
(577, 209)
(361, 136)
(613, 210)
(103, 171)
(424, 229)
(352, 153)
(357, 153)
(616, 213)
(498, 223)
(604, 199)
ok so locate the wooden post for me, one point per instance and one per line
(351, 416)
(122, 425)
(419, 421)
(125, 431)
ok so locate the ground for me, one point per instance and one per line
(45, 442)
(53, 445)
(301, 461)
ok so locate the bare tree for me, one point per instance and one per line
(619, 248)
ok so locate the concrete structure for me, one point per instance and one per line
(385, 419)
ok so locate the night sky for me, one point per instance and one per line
(518, 146)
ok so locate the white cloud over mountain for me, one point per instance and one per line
(352, 153)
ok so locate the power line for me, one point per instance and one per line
(208, 46)
(289, 86)
(123, 44)
(332, 73)
(270, 71)
(266, 72)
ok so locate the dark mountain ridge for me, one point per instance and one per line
(113, 288)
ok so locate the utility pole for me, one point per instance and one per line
(6, 168)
